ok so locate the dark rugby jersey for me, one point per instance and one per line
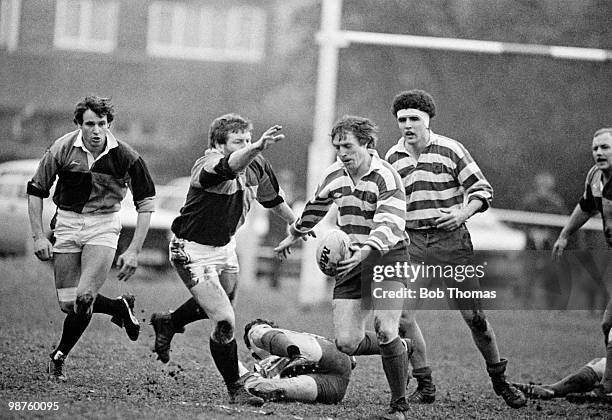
(444, 174)
(98, 189)
(597, 197)
(219, 199)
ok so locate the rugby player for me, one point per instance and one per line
(437, 172)
(224, 182)
(582, 385)
(297, 366)
(94, 171)
(597, 197)
(371, 210)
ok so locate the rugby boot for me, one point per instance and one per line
(263, 388)
(534, 391)
(164, 331)
(399, 410)
(239, 395)
(511, 395)
(55, 367)
(126, 318)
(298, 365)
(426, 390)
(597, 395)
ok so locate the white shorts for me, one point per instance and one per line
(74, 230)
(193, 255)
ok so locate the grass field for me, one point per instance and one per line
(112, 377)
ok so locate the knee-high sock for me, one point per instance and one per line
(104, 305)
(74, 327)
(225, 357)
(395, 364)
(187, 313)
(582, 380)
(276, 342)
(369, 345)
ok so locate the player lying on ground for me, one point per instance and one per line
(295, 366)
(581, 385)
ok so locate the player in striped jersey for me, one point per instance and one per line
(371, 210)
(438, 174)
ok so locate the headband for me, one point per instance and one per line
(412, 112)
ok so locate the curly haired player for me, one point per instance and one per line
(438, 173)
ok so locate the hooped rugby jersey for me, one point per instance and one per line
(443, 175)
(597, 197)
(96, 189)
(219, 199)
(371, 212)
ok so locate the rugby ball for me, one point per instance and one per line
(331, 250)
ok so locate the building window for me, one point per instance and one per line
(206, 32)
(88, 25)
(10, 13)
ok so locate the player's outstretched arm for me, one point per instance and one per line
(240, 159)
(283, 249)
(578, 218)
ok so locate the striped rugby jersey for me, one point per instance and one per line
(219, 199)
(597, 197)
(98, 188)
(371, 212)
(444, 174)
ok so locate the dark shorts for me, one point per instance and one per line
(332, 374)
(360, 279)
(444, 249)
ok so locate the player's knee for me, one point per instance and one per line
(223, 332)
(347, 345)
(67, 307)
(66, 297)
(84, 304)
(477, 322)
(383, 333)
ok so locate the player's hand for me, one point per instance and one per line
(43, 249)
(357, 256)
(269, 137)
(127, 264)
(450, 219)
(558, 248)
(310, 234)
(283, 249)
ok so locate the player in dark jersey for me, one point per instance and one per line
(224, 183)
(597, 198)
(94, 172)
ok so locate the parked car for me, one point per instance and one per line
(498, 247)
(15, 237)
